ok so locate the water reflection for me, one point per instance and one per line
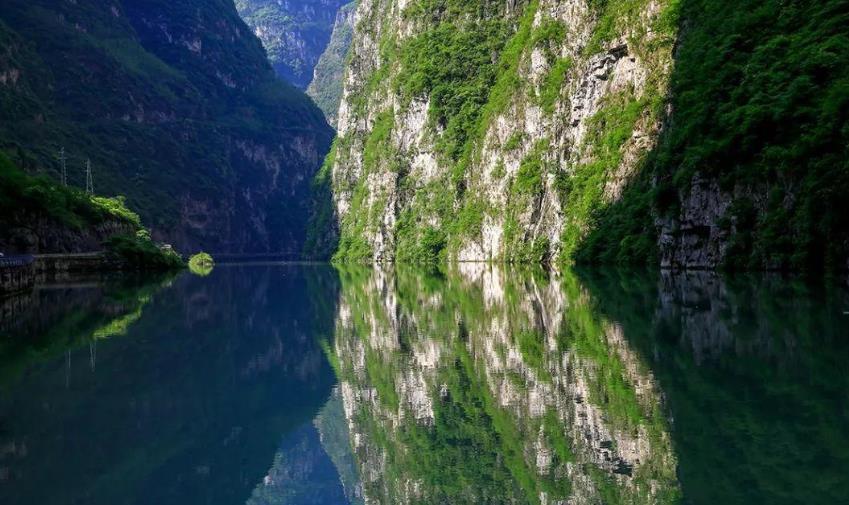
(314, 385)
(754, 370)
(190, 405)
(491, 387)
(486, 385)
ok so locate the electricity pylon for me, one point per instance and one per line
(62, 160)
(89, 183)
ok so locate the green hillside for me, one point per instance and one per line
(175, 105)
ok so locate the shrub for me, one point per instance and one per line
(201, 264)
(141, 254)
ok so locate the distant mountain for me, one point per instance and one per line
(176, 106)
(294, 33)
(326, 85)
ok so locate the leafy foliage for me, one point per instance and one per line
(201, 264)
(40, 196)
(759, 101)
(553, 83)
(140, 253)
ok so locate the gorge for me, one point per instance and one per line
(425, 252)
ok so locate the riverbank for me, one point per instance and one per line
(22, 273)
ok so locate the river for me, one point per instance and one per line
(310, 384)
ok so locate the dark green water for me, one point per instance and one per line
(314, 385)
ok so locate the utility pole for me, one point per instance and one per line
(62, 160)
(89, 183)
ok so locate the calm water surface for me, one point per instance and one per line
(312, 385)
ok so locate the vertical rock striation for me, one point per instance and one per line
(569, 130)
(493, 131)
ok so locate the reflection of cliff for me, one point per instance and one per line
(188, 407)
(754, 370)
(313, 464)
(333, 430)
(487, 387)
(301, 474)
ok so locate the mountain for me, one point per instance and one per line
(685, 133)
(326, 85)
(294, 33)
(177, 108)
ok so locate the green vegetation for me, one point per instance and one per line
(528, 181)
(759, 101)
(160, 126)
(322, 216)
(758, 110)
(452, 64)
(553, 84)
(201, 264)
(140, 253)
(49, 210)
(582, 192)
(352, 245)
(514, 141)
(67, 206)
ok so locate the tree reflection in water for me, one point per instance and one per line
(476, 385)
(491, 385)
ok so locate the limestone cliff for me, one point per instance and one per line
(492, 131)
(574, 130)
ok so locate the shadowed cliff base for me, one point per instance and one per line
(322, 236)
(752, 168)
(679, 133)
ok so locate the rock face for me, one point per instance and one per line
(294, 33)
(326, 85)
(568, 130)
(177, 108)
(35, 234)
(503, 149)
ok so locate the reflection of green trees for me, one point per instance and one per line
(67, 319)
(463, 429)
(754, 372)
(201, 264)
(189, 407)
